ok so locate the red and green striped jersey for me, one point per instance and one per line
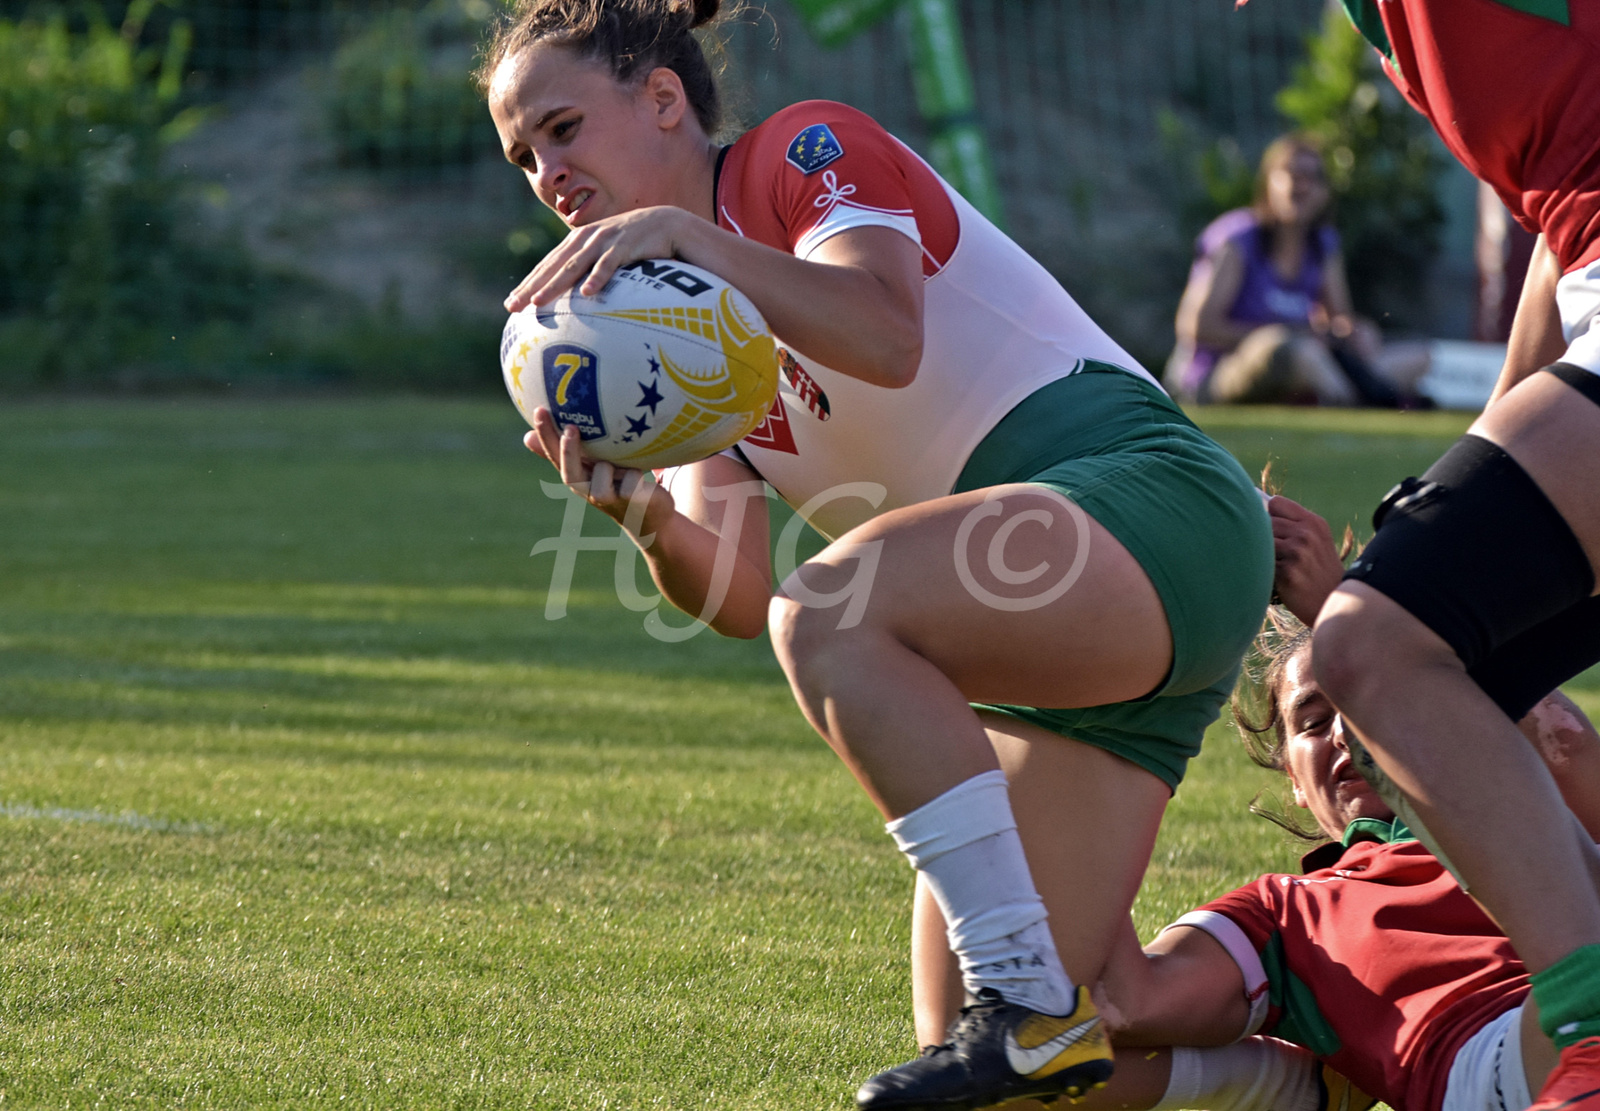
(1513, 89)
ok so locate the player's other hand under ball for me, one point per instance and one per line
(630, 497)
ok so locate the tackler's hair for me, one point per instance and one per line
(1257, 707)
(1257, 702)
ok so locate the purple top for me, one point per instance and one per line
(1265, 297)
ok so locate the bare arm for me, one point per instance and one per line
(1203, 311)
(1536, 339)
(1182, 989)
(1336, 299)
(1566, 739)
(705, 543)
(855, 305)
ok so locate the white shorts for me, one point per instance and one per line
(1487, 1074)
(1578, 301)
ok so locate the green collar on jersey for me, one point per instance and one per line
(1364, 14)
(1386, 831)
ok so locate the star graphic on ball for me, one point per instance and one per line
(637, 427)
(651, 397)
(655, 367)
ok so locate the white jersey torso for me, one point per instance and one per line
(997, 325)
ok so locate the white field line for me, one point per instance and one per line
(127, 819)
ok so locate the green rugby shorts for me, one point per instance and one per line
(1119, 447)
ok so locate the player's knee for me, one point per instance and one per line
(818, 644)
(1366, 648)
(798, 633)
(782, 618)
(1342, 654)
(1351, 649)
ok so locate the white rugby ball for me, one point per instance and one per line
(667, 365)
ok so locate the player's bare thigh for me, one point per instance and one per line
(1553, 431)
(1078, 624)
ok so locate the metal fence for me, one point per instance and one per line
(340, 143)
(1086, 105)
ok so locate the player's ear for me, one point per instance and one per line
(1298, 795)
(663, 91)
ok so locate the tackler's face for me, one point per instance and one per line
(1317, 756)
(590, 145)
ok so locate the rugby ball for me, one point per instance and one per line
(666, 365)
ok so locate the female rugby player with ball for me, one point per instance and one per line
(1041, 572)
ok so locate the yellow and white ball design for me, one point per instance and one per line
(667, 365)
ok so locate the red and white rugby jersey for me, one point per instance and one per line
(1513, 88)
(1379, 963)
(998, 326)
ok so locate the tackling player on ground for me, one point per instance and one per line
(1047, 575)
(1373, 961)
(1476, 595)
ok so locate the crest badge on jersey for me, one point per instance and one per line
(813, 149)
(805, 386)
(573, 387)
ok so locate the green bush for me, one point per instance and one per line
(1205, 176)
(90, 252)
(399, 95)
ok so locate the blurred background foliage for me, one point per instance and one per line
(94, 264)
(398, 93)
(257, 193)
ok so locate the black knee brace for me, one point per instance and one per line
(1530, 665)
(1476, 551)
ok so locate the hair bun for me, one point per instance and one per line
(700, 12)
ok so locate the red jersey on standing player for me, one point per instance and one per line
(1513, 89)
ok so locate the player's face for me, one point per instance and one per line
(1324, 778)
(1297, 191)
(590, 146)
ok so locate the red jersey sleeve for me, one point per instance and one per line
(1243, 922)
(1252, 908)
(816, 169)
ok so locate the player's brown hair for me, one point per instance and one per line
(632, 37)
(1256, 703)
(1258, 713)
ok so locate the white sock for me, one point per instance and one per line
(1257, 1074)
(965, 842)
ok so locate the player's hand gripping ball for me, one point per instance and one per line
(667, 365)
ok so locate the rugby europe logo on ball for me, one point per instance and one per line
(667, 365)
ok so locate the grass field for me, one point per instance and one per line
(305, 803)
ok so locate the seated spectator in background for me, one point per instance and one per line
(1266, 316)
